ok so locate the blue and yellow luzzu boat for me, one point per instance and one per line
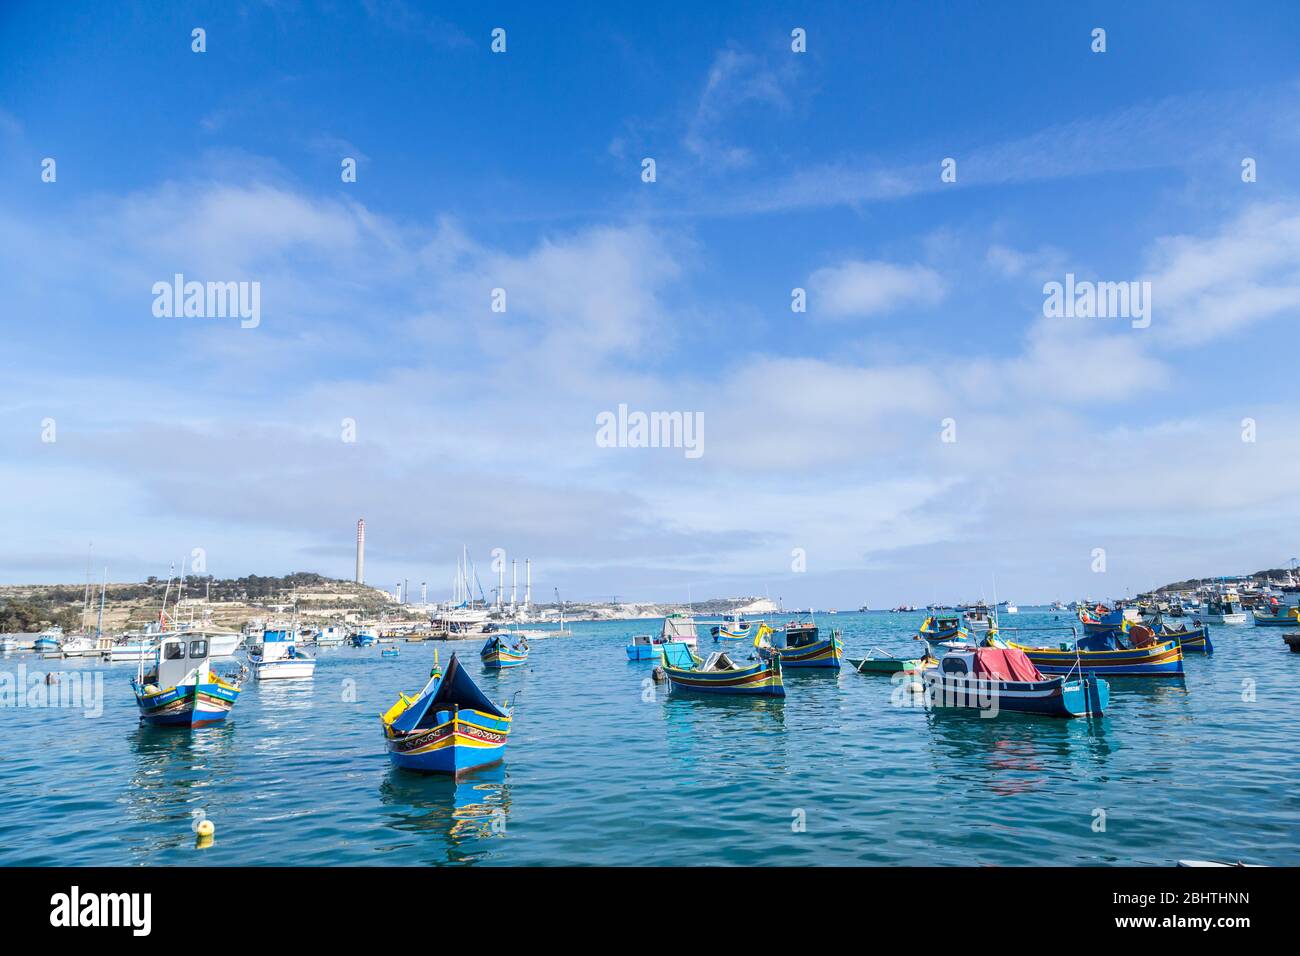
(180, 689)
(448, 727)
(496, 653)
(1192, 638)
(801, 647)
(720, 674)
(1276, 615)
(943, 629)
(1103, 621)
(1106, 654)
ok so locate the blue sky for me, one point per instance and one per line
(775, 170)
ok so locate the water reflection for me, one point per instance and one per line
(462, 813)
(703, 730)
(1015, 753)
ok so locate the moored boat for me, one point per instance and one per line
(1103, 620)
(449, 727)
(734, 627)
(1276, 614)
(1225, 609)
(800, 646)
(935, 629)
(277, 657)
(181, 689)
(644, 647)
(678, 628)
(496, 653)
(8, 645)
(1193, 638)
(364, 637)
(719, 674)
(1108, 654)
(877, 661)
(48, 641)
(1005, 679)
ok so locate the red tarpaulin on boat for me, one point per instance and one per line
(998, 663)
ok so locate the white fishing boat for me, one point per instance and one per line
(1225, 609)
(1011, 609)
(137, 650)
(331, 635)
(278, 657)
(8, 645)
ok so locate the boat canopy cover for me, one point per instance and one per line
(719, 661)
(997, 663)
(1101, 642)
(454, 688)
(676, 626)
(678, 655)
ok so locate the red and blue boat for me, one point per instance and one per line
(449, 727)
(994, 679)
(180, 689)
(497, 653)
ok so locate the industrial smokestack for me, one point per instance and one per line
(361, 551)
(514, 581)
(528, 582)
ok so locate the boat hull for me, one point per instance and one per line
(189, 705)
(884, 665)
(1193, 640)
(1270, 620)
(1159, 660)
(1055, 697)
(643, 652)
(824, 654)
(761, 680)
(288, 669)
(466, 741)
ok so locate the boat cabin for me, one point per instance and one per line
(798, 634)
(181, 660)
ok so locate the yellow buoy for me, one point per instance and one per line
(206, 831)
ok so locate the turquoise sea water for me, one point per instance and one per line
(600, 770)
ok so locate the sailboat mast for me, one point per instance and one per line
(99, 628)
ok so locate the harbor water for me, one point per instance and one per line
(605, 767)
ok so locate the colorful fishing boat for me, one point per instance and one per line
(977, 617)
(937, 629)
(644, 647)
(734, 627)
(1108, 654)
(1005, 679)
(719, 674)
(449, 727)
(497, 653)
(799, 646)
(180, 689)
(1274, 613)
(879, 662)
(48, 641)
(1102, 620)
(1193, 638)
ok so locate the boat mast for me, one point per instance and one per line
(99, 628)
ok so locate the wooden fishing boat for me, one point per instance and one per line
(719, 674)
(180, 689)
(365, 637)
(449, 727)
(1193, 638)
(496, 653)
(1102, 620)
(878, 662)
(734, 627)
(1276, 614)
(1108, 654)
(678, 628)
(937, 629)
(277, 657)
(1005, 679)
(799, 647)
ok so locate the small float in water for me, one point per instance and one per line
(449, 727)
(180, 689)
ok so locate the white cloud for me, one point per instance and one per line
(865, 288)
